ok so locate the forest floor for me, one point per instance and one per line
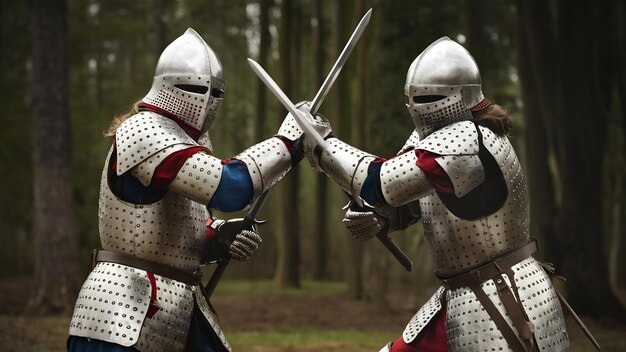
(259, 318)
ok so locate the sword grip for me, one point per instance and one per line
(395, 250)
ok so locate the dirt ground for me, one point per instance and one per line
(263, 312)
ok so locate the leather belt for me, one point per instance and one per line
(495, 270)
(189, 278)
(491, 269)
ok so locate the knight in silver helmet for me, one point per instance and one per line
(459, 174)
(159, 181)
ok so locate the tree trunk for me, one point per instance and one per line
(543, 209)
(582, 131)
(264, 45)
(617, 266)
(321, 197)
(160, 28)
(288, 266)
(536, 24)
(56, 262)
(342, 112)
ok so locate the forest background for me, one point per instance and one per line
(68, 67)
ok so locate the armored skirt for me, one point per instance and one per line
(128, 306)
(469, 327)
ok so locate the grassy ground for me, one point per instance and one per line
(258, 318)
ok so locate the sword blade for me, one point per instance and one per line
(341, 60)
(298, 115)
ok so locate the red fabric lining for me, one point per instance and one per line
(483, 104)
(113, 161)
(194, 133)
(288, 142)
(153, 308)
(210, 231)
(226, 161)
(432, 338)
(169, 167)
(434, 172)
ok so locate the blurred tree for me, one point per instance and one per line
(537, 82)
(617, 168)
(320, 221)
(288, 267)
(160, 27)
(56, 251)
(560, 77)
(343, 23)
(264, 47)
(16, 249)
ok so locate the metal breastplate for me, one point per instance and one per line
(113, 302)
(169, 231)
(458, 245)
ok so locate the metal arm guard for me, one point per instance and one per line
(401, 181)
(346, 165)
(267, 162)
(146, 139)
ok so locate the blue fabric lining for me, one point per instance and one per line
(84, 344)
(371, 187)
(235, 189)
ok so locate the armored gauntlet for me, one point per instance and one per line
(229, 240)
(366, 222)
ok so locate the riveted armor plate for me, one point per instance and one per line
(112, 304)
(340, 160)
(469, 327)
(402, 181)
(145, 170)
(144, 135)
(430, 117)
(360, 175)
(168, 328)
(423, 316)
(170, 231)
(210, 316)
(199, 178)
(456, 139)
(465, 171)
(205, 141)
(268, 161)
(411, 142)
(290, 128)
(458, 245)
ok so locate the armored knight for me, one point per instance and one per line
(460, 174)
(159, 179)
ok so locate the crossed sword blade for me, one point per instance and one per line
(302, 121)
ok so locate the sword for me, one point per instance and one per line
(315, 104)
(341, 61)
(246, 223)
(301, 119)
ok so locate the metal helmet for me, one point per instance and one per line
(442, 85)
(188, 82)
